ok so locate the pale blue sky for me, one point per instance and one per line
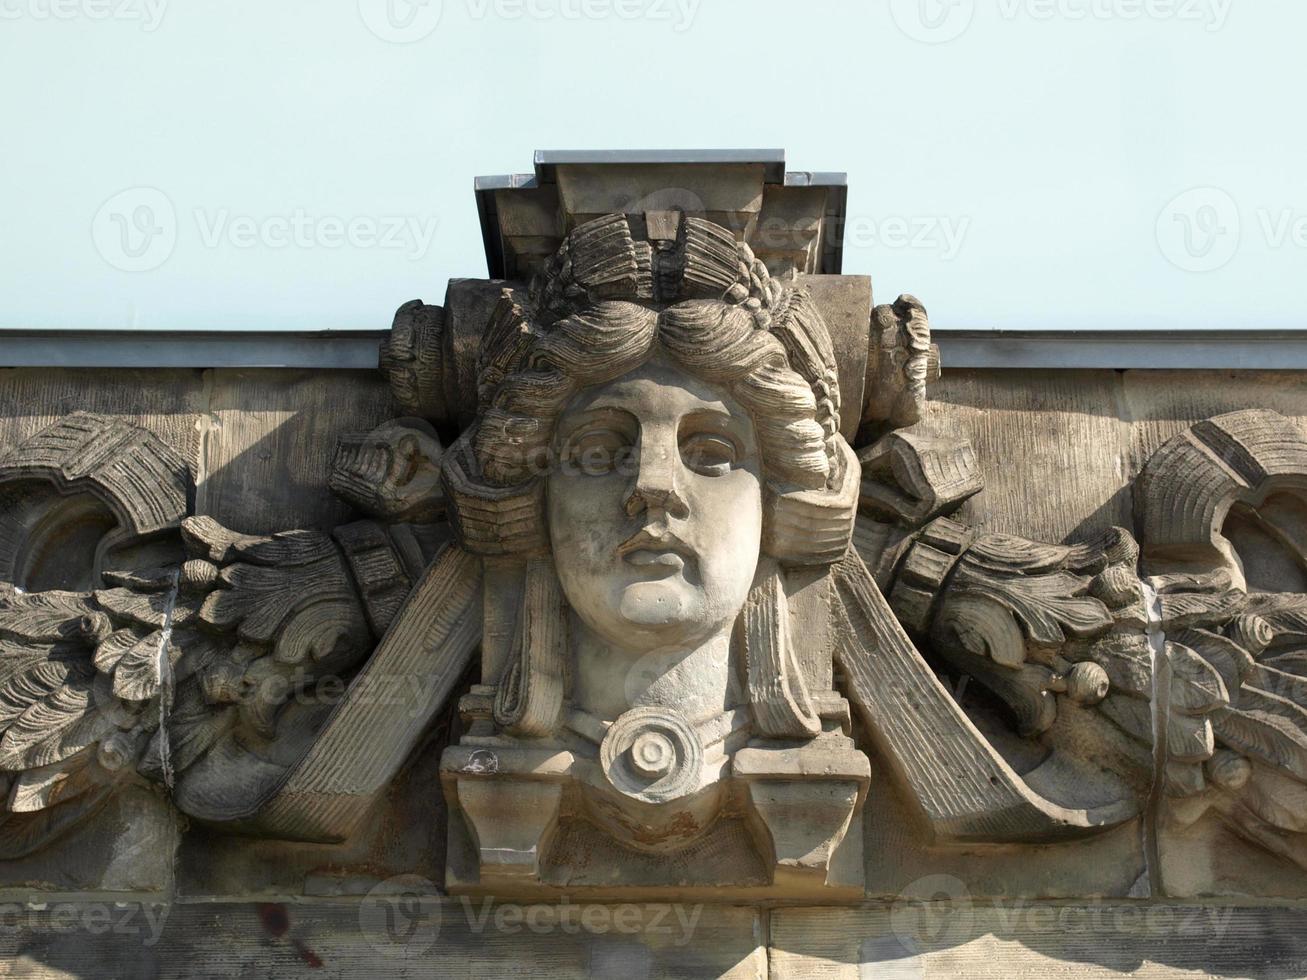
(1037, 152)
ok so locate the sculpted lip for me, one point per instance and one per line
(644, 558)
(654, 546)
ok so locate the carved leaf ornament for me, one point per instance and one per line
(184, 675)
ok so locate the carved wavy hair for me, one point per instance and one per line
(603, 306)
(725, 320)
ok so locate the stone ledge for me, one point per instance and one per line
(1052, 350)
(412, 933)
(395, 933)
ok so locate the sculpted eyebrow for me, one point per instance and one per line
(599, 415)
(717, 419)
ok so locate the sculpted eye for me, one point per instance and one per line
(709, 453)
(597, 451)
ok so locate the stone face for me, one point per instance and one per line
(652, 652)
(659, 579)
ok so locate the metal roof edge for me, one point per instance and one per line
(959, 348)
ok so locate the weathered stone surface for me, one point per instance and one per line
(1225, 495)
(674, 586)
(958, 937)
(1064, 432)
(130, 848)
(263, 429)
(258, 442)
(403, 835)
(403, 930)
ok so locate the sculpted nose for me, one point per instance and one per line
(656, 483)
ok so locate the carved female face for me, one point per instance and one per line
(655, 507)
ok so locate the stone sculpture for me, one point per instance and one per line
(685, 593)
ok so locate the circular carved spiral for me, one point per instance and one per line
(1253, 633)
(652, 754)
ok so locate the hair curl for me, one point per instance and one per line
(601, 308)
(722, 317)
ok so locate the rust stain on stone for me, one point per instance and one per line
(275, 920)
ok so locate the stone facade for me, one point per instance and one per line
(668, 612)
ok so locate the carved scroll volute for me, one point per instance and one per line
(414, 357)
(911, 478)
(78, 674)
(1188, 487)
(1236, 656)
(80, 490)
(902, 361)
(432, 356)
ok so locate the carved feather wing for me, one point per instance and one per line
(1236, 704)
(1262, 661)
(47, 708)
(141, 679)
(53, 714)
